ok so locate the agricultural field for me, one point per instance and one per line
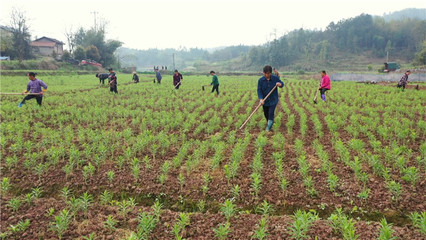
(156, 163)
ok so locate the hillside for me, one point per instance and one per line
(413, 13)
(353, 44)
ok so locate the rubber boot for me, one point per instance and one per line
(323, 97)
(20, 104)
(269, 126)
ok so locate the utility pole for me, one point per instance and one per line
(174, 67)
(94, 14)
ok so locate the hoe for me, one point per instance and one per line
(257, 107)
(21, 94)
(177, 85)
(315, 98)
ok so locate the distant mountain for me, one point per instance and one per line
(350, 44)
(417, 13)
(213, 49)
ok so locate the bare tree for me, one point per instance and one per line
(70, 39)
(20, 35)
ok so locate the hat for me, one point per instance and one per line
(134, 72)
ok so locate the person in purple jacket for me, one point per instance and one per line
(325, 84)
(34, 86)
(177, 78)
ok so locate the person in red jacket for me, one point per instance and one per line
(325, 84)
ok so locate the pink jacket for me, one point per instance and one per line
(325, 82)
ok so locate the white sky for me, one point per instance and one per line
(204, 23)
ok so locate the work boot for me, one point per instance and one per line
(269, 126)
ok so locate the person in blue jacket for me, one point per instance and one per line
(158, 75)
(264, 86)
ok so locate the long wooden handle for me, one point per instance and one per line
(257, 107)
(245, 122)
(177, 84)
(21, 94)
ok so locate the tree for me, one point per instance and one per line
(20, 35)
(108, 53)
(66, 55)
(95, 39)
(388, 48)
(421, 56)
(79, 53)
(324, 51)
(93, 53)
(70, 39)
(6, 42)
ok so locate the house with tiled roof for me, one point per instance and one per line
(45, 46)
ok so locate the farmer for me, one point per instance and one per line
(102, 77)
(264, 86)
(135, 77)
(276, 73)
(158, 76)
(215, 82)
(34, 86)
(325, 84)
(404, 80)
(112, 80)
(177, 78)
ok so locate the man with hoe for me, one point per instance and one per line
(135, 77)
(404, 80)
(112, 80)
(158, 76)
(215, 82)
(177, 77)
(264, 86)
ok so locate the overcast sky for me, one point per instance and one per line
(204, 24)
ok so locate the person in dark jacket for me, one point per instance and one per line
(325, 84)
(135, 77)
(276, 73)
(112, 80)
(34, 87)
(215, 82)
(177, 78)
(264, 86)
(158, 76)
(404, 80)
(102, 77)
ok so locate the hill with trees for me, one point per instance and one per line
(350, 44)
(354, 44)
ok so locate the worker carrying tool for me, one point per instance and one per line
(34, 89)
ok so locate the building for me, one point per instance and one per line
(391, 66)
(45, 46)
(6, 31)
